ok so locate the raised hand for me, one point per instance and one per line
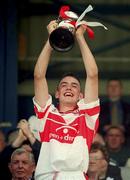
(52, 26)
(24, 127)
(19, 139)
(80, 30)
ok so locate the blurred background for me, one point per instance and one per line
(23, 34)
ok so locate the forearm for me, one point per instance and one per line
(31, 138)
(42, 62)
(88, 58)
(91, 85)
(17, 142)
(40, 83)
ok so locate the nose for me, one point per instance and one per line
(20, 164)
(68, 86)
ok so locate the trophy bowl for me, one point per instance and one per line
(61, 39)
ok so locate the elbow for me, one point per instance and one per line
(38, 75)
(93, 73)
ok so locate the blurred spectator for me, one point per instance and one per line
(99, 167)
(2, 141)
(22, 165)
(18, 139)
(6, 154)
(30, 131)
(100, 139)
(115, 141)
(114, 110)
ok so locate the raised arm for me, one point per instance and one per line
(40, 82)
(91, 85)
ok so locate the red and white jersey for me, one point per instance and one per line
(66, 139)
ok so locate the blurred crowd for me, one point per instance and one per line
(109, 156)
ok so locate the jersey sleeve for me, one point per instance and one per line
(91, 111)
(40, 111)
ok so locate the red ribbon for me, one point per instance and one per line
(90, 32)
(62, 14)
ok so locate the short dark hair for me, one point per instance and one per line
(99, 147)
(118, 127)
(115, 79)
(74, 75)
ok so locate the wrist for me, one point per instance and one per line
(49, 46)
(17, 143)
(31, 138)
(30, 135)
(79, 37)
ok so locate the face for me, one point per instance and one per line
(114, 89)
(97, 162)
(21, 166)
(68, 90)
(114, 139)
(98, 138)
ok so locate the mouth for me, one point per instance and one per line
(20, 173)
(68, 94)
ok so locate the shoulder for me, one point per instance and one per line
(114, 170)
(105, 103)
(124, 101)
(125, 172)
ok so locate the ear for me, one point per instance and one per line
(57, 94)
(33, 167)
(123, 140)
(81, 95)
(9, 166)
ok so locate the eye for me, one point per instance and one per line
(25, 162)
(74, 85)
(15, 162)
(63, 85)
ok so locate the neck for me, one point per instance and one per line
(115, 150)
(66, 108)
(102, 176)
(113, 99)
(93, 176)
(23, 178)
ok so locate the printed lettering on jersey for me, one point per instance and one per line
(59, 131)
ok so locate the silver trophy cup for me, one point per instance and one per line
(62, 38)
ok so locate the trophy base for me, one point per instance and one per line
(61, 39)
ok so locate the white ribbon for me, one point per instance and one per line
(91, 24)
(66, 23)
(88, 9)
